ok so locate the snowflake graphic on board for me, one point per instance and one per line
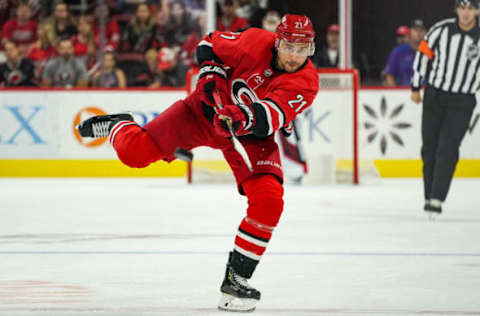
(384, 125)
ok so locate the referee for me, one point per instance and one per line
(448, 62)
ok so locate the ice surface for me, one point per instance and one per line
(159, 247)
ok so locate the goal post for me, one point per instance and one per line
(345, 81)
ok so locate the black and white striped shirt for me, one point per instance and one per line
(448, 59)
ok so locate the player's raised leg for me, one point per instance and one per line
(138, 147)
(265, 200)
(134, 147)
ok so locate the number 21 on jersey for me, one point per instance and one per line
(293, 103)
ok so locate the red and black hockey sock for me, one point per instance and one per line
(265, 205)
(134, 146)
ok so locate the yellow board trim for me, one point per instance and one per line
(390, 168)
(88, 168)
(212, 165)
(387, 168)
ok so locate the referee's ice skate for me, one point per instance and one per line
(237, 294)
(433, 208)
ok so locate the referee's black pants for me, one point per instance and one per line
(445, 120)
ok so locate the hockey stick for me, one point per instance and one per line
(301, 151)
(183, 154)
(236, 143)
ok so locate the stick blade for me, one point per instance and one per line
(183, 154)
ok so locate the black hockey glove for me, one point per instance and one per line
(212, 76)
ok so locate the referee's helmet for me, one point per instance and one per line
(467, 3)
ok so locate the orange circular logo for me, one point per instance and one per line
(87, 112)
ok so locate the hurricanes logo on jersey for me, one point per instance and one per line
(241, 93)
(473, 52)
(15, 78)
(65, 76)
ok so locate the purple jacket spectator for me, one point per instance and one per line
(400, 64)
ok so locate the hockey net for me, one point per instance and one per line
(328, 133)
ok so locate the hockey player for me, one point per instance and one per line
(264, 80)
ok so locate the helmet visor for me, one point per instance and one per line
(296, 48)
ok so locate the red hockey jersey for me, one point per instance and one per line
(253, 76)
(20, 34)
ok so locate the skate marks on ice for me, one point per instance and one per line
(23, 292)
(182, 311)
(119, 255)
(87, 237)
(224, 253)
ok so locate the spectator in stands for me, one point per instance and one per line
(270, 21)
(402, 34)
(61, 24)
(112, 30)
(139, 34)
(163, 33)
(170, 71)
(399, 70)
(181, 23)
(79, 7)
(328, 56)
(7, 11)
(84, 43)
(17, 70)
(188, 50)
(246, 8)
(261, 8)
(144, 74)
(420, 27)
(21, 30)
(229, 21)
(65, 70)
(131, 6)
(40, 8)
(42, 51)
(111, 76)
(195, 7)
(402, 37)
(162, 69)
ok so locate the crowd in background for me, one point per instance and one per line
(399, 67)
(145, 43)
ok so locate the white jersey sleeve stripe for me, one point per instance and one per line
(117, 127)
(205, 43)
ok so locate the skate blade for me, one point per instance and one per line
(231, 303)
(432, 216)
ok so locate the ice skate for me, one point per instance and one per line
(237, 294)
(100, 126)
(433, 208)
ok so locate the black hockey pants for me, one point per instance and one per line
(445, 120)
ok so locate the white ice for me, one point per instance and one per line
(159, 246)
